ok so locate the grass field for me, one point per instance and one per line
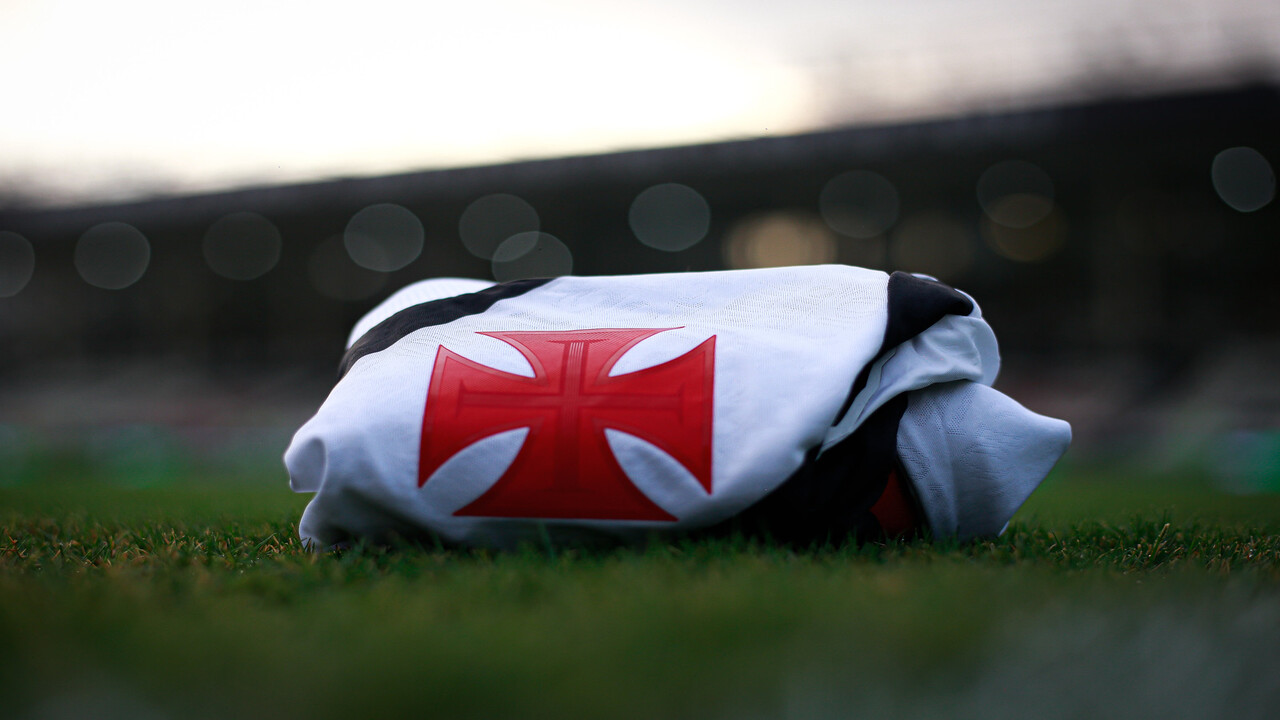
(1107, 597)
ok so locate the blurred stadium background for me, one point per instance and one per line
(193, 211)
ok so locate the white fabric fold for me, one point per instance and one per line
(974, 455)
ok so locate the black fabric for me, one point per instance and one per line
(829, 499)
(915, 303)
(434, 312)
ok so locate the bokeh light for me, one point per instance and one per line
(1015, 193)
(242, 246)
(112, 255)
(334, 274)
(779, 239)
(492, 219)
(17, 263)
(670, 217)
(1243, 178)
(933, 243)
(1034, 243)
(531, 255)
(384, 237)
(859, 204)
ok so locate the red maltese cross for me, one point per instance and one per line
(565, 468)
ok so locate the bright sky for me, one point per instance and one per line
(110, 99)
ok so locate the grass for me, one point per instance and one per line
(1106, 596)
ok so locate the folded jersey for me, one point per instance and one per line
(618, 407)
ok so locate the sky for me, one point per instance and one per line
(106, 101)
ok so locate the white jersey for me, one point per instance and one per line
(624, 406)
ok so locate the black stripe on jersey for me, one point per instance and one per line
(434, 312)
(829, 498)
(915, 303)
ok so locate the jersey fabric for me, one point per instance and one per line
(580, 408)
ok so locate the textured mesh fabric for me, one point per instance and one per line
(974, 455)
